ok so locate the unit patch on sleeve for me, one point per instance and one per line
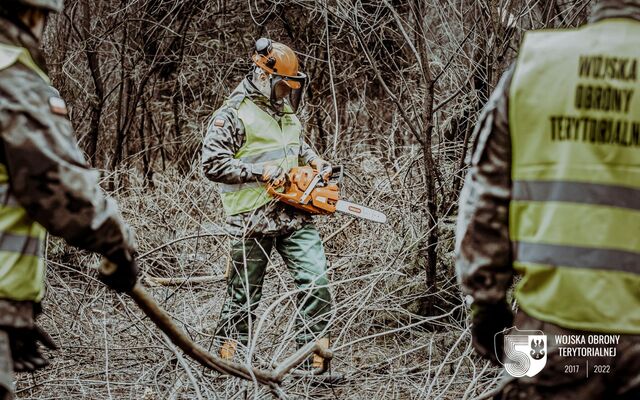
(58, 106)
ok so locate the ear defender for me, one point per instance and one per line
(264, 47)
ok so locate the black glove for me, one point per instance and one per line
(124, 276)
(25, 350)
(489, 320)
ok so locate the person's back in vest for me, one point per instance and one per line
(45, 185)
(251, 142)
(552, 194)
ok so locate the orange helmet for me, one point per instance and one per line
(278, 59)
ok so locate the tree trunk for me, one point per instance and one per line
(97, 102)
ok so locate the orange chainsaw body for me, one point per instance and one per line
(321, 200)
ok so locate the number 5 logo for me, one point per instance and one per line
(525, 352)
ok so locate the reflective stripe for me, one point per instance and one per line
(578, 257)
(269, 155)
(577, 192)
(20, 244)
(224, 188)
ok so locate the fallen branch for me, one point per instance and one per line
(156, 281)
(164, 322)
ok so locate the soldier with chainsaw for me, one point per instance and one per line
(252, 141)
(45, 185)
(553, 192)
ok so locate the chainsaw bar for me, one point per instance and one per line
(359, 211)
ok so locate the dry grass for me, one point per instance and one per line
(447, 54)
(383, 349)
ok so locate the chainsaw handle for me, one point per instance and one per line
(272, 191)
(339, 169)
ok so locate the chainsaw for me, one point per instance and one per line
(306, 190)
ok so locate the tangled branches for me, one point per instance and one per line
(395, 90)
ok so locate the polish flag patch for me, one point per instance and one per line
(58, 106)
(218, 122)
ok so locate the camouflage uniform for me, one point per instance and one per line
(6, 367)
(48, 175)
(220, 146)
(256, 232)
(484, 255)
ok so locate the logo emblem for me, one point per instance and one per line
(525, 352)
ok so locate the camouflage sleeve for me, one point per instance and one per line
(483, 251)
(6, 367)
(224, 138)
(307, 154)
(48, 174)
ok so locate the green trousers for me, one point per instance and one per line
(303, 254)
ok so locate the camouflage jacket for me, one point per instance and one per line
(483, 250)
(48, 173)
(220, 146)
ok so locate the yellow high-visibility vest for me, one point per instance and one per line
(22, 240)
(267, 142)
(574, 116)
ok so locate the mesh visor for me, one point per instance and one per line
(291, 86)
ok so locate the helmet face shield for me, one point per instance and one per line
(288, 86)
(280, 89)
(280, 62)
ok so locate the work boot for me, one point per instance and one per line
(315, 364)
(228, 349)
(318, 362)
(316, 369)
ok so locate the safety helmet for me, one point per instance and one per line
(49, 5)
(278, 59)
(281, 63)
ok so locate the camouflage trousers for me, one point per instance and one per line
(13, 314)
(573, 377)
(6, 368)
(303, 254)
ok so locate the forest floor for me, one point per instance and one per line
(383, 348)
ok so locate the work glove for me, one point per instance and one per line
(488, 323)
(122, 275)
(273, 175)
(323, 167)
(25, 350)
